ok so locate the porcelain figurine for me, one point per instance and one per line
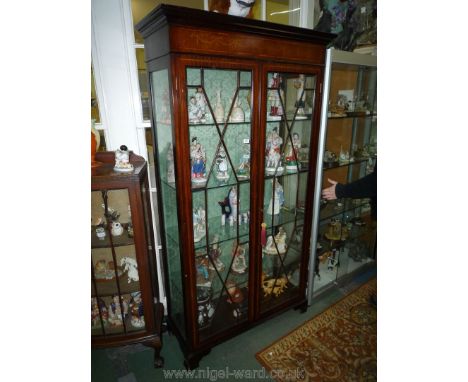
(235, 295)
(221, 165)
(273, 286)
(170, 164)
(344, 156)
(101, 233)
(280, 240)
(116, 229)
(292, 153)
(193, 111)
(237, 114)
(122, 160)
(198, 157)
(241, 8)
(239, 264)
(201, 104)
(243, 171)
(131, 267)
(300, 98)
(205, 305)
(233, 203)
(273, 153)
(275, 95)
(215, 254)
(202, 264)
(277, 198)
(219, 109)
(116, 316)
(97, 304)
(136, 310)
(199, 224)
(329, 157)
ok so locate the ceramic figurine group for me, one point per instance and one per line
(292, 153)
(122, 160)
(118, 310)
(197, 107)
(206, 307)
(239, 264)
(276, 245)
(273, 153)
(274, 286)
(105, 270)
(221, 165)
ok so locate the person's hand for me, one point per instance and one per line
(329, 193)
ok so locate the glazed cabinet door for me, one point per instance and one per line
(289, 133)
(219, 120)
(116, 293)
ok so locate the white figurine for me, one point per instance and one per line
(219, 109)
(237, 114)
(273, 153)
(238, 264)
(122, 160)
(116, 229)
(221, 165)
(344, 156)
(243, 171)
(131, 267)
(199, 222)
(277, 199)
(201, 104)
(300, 103)
(233, 203)
(280, 240)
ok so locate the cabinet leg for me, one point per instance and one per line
(156, 344)
(302, 308)
(192, 360)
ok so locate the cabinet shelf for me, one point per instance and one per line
(331, 209)
(370, 115)
(117, 241)
(328, 166)
(108, 288)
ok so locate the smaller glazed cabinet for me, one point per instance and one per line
(124, 294)
(344, 230)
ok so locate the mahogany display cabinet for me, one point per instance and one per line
(235, 116)
(124, 291)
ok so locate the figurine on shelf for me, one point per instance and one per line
(122, 160)
(277, 198)
(332, 260)
(170, 164)
(243, 171)
(215, 254)
(100, 233)
(229, 207)
(131, 267)
(273, 286)
(116, 316)
(239, 264)
(96, 305)
(330, 158)
(279, 240)
(233, 7)
(205, 305)
(199, 224)
(219, 109)
(203, 273)
(136, 310)
(300, 103)
(116, 229)
(221, 165)
(334, 230)
(273, 153)
(275, 95)
(193, 111)
(237, 114)
(235, 295)
(201, 104)
(292, 153)
(198, 157)
(344, 156)
(129, 225)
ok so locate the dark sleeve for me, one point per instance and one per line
(365, 187)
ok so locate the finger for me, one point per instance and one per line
(332, 181)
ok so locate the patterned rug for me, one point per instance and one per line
(339, 344)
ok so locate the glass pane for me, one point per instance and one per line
(143, 81)
(140, 8)
(288, 134)
(219, 123)
(94, 101)
(115, 278)
(283, 11)
(347, 233)
(165, 163)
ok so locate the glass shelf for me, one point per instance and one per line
(117, 241)
(356, 115)
(328, 166)
(284, 217)
(220, 125)
(331, 209)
